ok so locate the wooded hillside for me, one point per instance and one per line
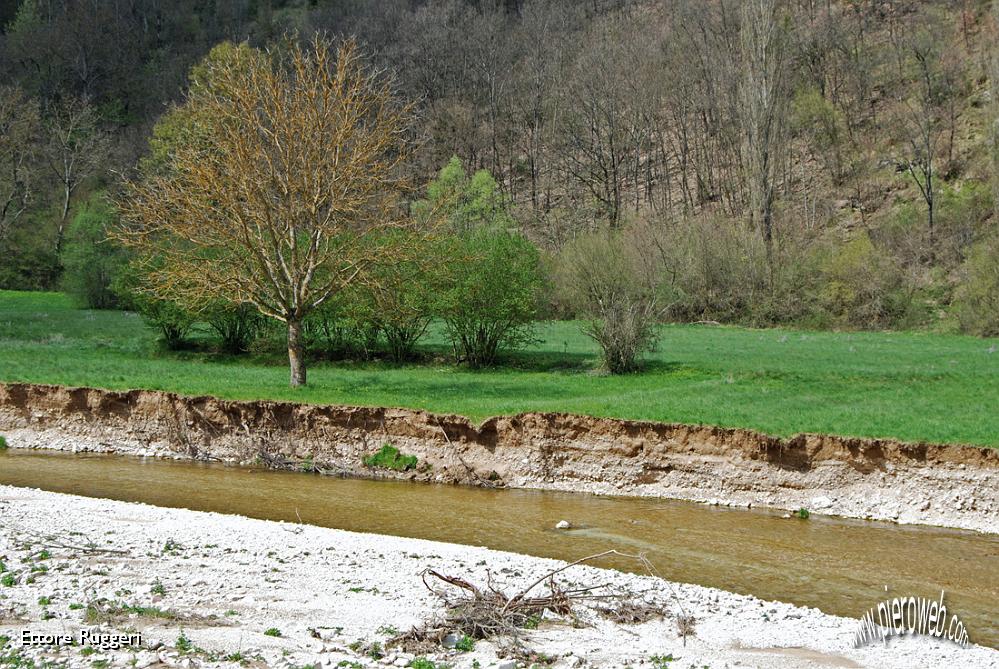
(825, 162)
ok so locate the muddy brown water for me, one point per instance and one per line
(838, 565)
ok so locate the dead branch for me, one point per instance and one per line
(487, 612)
(55, 541)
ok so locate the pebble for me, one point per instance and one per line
(563, 525)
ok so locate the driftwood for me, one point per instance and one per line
(50, 540)
(487, 612)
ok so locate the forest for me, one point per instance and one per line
(819, 163)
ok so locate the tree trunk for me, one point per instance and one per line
(296, 359)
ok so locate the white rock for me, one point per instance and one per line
(821, 502)
(563, 525)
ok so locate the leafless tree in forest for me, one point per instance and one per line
(19, 128)
(923, 116)
(77, 149)
(765, 100)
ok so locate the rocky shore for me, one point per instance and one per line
(212, 590)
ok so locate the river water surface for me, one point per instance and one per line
(838, 565)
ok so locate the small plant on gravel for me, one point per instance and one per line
(802, 513)
(3, 443)
(170, 546)
(347, 664)
(8, 580)
(44, 600)
(272, 631)
(87, 650)
(422, 663)
(184, 644)
(100, 664)
(75, 606)
(387, 630)
(43, 554)
(375, 651)
(389, 457)
(158, 588)
(466, 644)
(662, 661)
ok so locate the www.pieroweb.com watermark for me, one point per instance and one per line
(902, 616)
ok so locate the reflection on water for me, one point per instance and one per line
(840, 566)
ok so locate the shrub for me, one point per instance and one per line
(864, 286)
(718, 269)
(606, 279)
(389, 457)
(494, 286)
(977, 298)
(401, 299)
(172, 320)
(272, 631)
(236, 325)
(90, 261)
(3, 443)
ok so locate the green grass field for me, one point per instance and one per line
(912, 386)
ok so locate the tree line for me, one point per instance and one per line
(765, 161)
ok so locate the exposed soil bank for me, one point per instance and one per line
(948, 485)
(223, 581)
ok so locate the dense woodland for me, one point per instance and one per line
(826, 163)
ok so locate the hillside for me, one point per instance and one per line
(872, 206)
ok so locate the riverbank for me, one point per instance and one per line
(931, 484)
(210, 586)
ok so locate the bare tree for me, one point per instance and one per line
(19, 126)
(765, 99)
(77, 149)
(924, 115)
(284, 171)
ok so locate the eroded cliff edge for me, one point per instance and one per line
(949, 485)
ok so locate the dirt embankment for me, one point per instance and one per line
(948, 485)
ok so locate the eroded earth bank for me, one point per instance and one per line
(947, 485)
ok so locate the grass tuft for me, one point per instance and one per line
(389, 457)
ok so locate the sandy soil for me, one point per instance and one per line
(222, 581)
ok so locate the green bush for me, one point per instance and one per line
(172, 320)
(235, 325)
(389, 457)
(402, 299)
(3, 443)
(29, 262)
(493, 294)
(864, 286)
(977, 298)
(90, 260)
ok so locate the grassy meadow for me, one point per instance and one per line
(912, 386)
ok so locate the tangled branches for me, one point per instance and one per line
(487, 612)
